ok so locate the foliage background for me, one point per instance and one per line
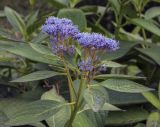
(136, 23)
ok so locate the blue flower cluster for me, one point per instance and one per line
(86, 65)
(62, 30)
(97, 41)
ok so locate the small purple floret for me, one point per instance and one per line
(86, 65)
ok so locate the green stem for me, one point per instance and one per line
(100, 18)
(70, 83)
(77, 105)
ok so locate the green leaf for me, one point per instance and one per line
(106, 106)
(152, 99)
(25, 50)
(119, 76)
(81, 120)
(3, 118)
(97, 118)
(152, 12)
(39, 38)
(140, 125)
(42, 49)
(39, 75)
(119, 98)
(15, 20)
(125, 47)
(61, 117)
(148, 25)
(95, 97)
(59, 3)
(32, 18)
(74, 15)
(131, 115)
(34, 112)
(111, 64)
(152, 52)
(123, 85)
(116, 5)
(153, 120)
(159, 90)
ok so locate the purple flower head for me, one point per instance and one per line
(86, 65)
(71, 50)
(60, 28)
(96, 41)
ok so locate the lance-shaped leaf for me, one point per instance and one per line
(123, 85)
(15, 20)
(34, 112)
(37, 76)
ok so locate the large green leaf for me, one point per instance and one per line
(123, 85)
(34, 112)
(81, 120)
(148, 25)
(131, 115)
(15, 20)
(152, 99)
(60, 118)
(27, 51)
(37, 76)
(153, 120)
(119, 98)
(119, 76)
(76, 15)
(125, 47)
(152, 12)
(95, 97)
(152, 52)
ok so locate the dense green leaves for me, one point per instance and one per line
(37, 76)
(123, 85)
(34, 112)
(27, 51)
(61, 117)
(148, 25)
(74, 15)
